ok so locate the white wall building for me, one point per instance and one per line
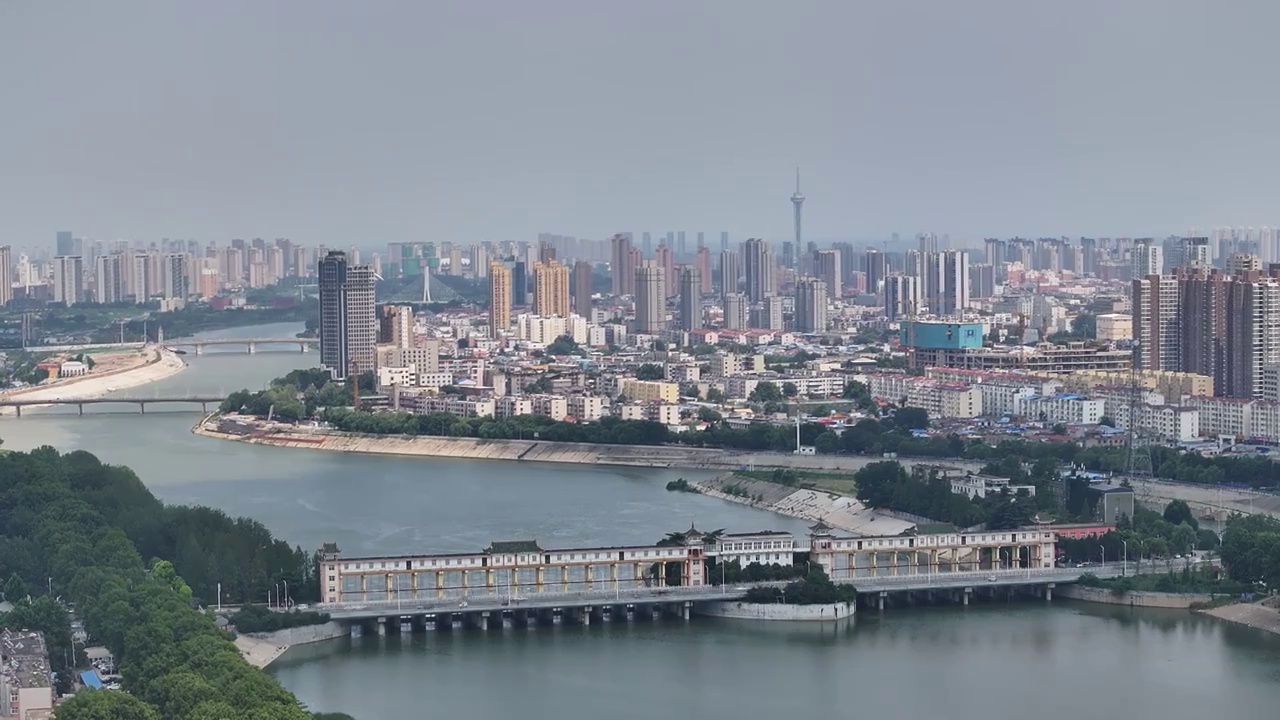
(980, 486)
(587, 408)
(427, 404)
(771, 547)
(1069, 409)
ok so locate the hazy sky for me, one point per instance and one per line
(343, 122)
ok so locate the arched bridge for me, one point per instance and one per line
(202, 400)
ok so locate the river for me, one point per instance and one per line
(1063, 661)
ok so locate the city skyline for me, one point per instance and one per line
(279, 150)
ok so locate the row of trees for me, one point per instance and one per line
(69, 514)
(1148, 534)
(888, 485)
(298, 395)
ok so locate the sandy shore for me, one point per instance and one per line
(134, 369)
(1258, 615)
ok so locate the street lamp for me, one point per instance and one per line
(1124, 567)
(1104, 554)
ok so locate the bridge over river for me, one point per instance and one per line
(249, 344)
(204, 401)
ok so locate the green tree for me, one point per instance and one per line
(107, 705)
(912, 418)
(1178, 512)
(15, 589)
(1106, 420)
(564, 345)
(827, 443)
(765, 392)
(715, 395)
(650, 371)
(789, 389)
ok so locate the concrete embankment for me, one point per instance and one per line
(666, 456)
(262, 649)
(1176, 601)
(775, 611)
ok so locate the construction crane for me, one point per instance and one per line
(911, 334)
(354, 374)
(1021, 333)
(1138, 466)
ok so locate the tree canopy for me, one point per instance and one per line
(78, 530)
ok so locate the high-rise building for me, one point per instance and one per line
(395, 326)
(176, 282)
(520, 283)
(1147, 258)
(546, 252)
(758, 266)
(665, 259)
(1211, 323)
(6, 275)
(828, 269)
(903, 296)
(811, 305)
(582, 288)
(620, 265)
(479, 260)
(946, 282)
(348, 323)
(690, 298)
(768, 314)
(1156, 329)
(730, 272)
(68, 279)
(982, 281)
(724, 241)
(1198, 255)
(109, 279)
(876, 267)
(551, 289)
(702, 261)
(499, 298)
(735, 311)
(651, 299)
(1243, 262)
(65, 244)
(928, 242)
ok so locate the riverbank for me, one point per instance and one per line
(841, 512)
(1262, 615)
(251, 430)
(262, 649)
(128, 370)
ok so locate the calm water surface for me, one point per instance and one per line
(1020, 660)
